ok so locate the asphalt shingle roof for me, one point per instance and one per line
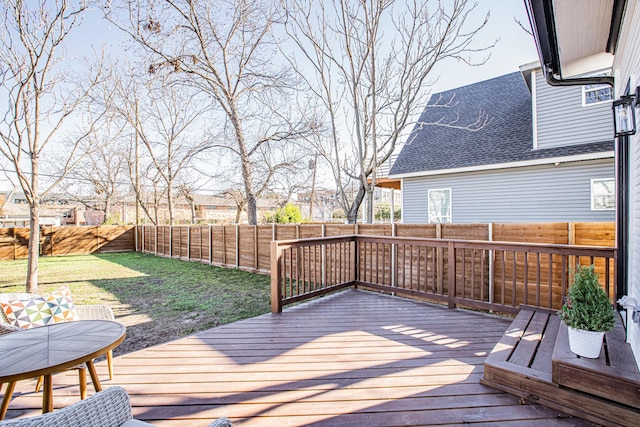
(503, 105)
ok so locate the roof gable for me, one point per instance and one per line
(485, 123)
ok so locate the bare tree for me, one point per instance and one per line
(225, 49)
(99, 180)
(42, 95)
(367, 64)
(185, 190)
(170, 129)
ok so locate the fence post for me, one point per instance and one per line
(224, 245)
(276, 273)
(210, 245)
(188, 242)
(451, 279)
(237, 246)
(255, 247)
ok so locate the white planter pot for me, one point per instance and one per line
(585, 343)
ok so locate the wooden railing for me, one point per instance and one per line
(497, 276)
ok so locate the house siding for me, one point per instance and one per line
(627, 67)
(529, 194)
(562, 119)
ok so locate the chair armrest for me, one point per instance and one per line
(95, 312)
(221, 422)
(6, 328)
(107, 408)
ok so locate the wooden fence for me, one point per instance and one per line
(497, 276)
(14, 242)
(248, 247)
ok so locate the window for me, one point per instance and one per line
(439, 206)
(603, 194)
(594, 94)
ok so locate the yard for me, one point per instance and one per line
(158, 299)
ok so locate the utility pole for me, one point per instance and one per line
(313, 187)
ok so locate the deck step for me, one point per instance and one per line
(531, 361)
(614, 373)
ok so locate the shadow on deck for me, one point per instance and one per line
(533, 361)
(354, 358)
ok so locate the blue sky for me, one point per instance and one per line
(514, 48)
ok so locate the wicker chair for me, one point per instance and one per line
(85, 312)
(108, 408)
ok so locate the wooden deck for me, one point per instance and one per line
(353, 358)
(533, 361)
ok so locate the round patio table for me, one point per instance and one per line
(53, 348)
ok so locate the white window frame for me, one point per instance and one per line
(594, 194)
(594, 88)
(450, 216)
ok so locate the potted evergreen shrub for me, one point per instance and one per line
(587, 312)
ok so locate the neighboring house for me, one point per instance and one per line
(576, 40)
(57, 210)
(510, 149)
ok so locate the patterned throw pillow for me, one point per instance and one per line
(61, 305)
(27, 313)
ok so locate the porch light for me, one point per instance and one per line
(624, 116)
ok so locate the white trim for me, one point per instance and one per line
(525, 163)
(591, 193)
(534, 108)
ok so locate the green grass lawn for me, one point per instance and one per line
(159, 299)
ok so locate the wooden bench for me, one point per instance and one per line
(533, 361)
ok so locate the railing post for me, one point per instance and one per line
(393, 249)
(355, 256)
(451, 279)
(492, 265)
(276, 278)
(439, 262)
(356, 260)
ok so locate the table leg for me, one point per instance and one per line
(47, 395)
(82, 379)
(94, 376)
(7, 398)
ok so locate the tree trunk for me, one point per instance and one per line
(170, 202)
(107, 208)
(34, 247)
(245, 161)
(193, 212)
(370, 198)
(352, 215)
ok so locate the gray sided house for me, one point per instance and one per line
(510, 149)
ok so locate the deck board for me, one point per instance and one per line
(354, 358)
